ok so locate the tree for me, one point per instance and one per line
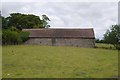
(112, 36)
(25, 21)
(97, 40)
(45, 19)
(4, 23)
(21, 21)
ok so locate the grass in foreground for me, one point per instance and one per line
(58, 62)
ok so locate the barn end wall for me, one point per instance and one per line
(62, 42)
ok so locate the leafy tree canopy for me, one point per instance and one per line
(45, 20)
(23, 21)
(112, 36)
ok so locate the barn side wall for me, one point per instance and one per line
(62, 42)
(39, 41)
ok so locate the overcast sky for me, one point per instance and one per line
(70, 14)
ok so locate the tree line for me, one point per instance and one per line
(13, 24)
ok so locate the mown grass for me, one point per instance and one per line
(58, 62)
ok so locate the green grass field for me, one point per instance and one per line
(58, 62)
(104, 46)
(0, 52)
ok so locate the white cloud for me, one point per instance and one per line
(98, 15)
(60, 0)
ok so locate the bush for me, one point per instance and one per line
(10, 37)
(13, 36)
(24, 36)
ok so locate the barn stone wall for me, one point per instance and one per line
(75, 42)
(39, 41)
(62, 42)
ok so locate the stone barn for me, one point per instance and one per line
(62, 37)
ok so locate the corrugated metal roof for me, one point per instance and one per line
(61, 33)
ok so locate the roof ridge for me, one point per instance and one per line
(59, 29)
